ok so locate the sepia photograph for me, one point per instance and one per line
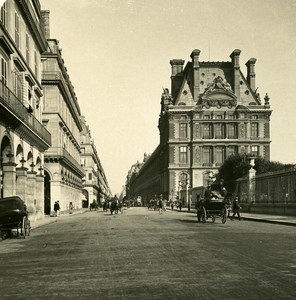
(147, 149)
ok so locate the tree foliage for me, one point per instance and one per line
(238, 166)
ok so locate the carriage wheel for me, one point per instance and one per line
(213, 219)
(204, 215)
(24, 227)
(2, 234)
(224, 215)
(28, 227)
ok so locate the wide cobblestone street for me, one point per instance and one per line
(143, 255)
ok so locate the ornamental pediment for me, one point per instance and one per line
(218, 93)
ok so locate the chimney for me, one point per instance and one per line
(195, 63)
(177, 76)
(236, 74)
(251, 73)
(45, 23)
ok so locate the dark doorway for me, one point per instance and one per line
(46, 193)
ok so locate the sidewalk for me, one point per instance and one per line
(48, 220)
(283, 220)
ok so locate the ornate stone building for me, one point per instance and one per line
(23, 138)
(61, 116)
(95, 186)
(213, 111)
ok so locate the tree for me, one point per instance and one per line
(238, 166)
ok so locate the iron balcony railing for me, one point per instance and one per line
(12, 103)
(63, 153)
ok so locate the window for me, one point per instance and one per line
(232, 150)
(219, 155)
(183, 180)
(183, 154)
(255, 150)
(28, 48)
(219, 131)
(231, 134)
(18, 87)
(254, 130)
(17, 30)
(183, 130)
(3, 14)
(90, 176)
(3, 71)
(207, 156)
(254, 117)
(207, 117)
(207, 131)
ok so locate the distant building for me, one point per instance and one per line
(23, 138)
(212, 112)
(95, 184)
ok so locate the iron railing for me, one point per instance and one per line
(12, 103)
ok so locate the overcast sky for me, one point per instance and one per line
(117, 53)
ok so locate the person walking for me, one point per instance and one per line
(71, 208)
(160, 206)
(55, 208)
(199, 209)
(236, 208)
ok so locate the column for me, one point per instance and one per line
(9, 179)
(252, 175)
(21, 189)
(40, 196)
(31, 186)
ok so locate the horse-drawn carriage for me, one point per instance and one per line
(13, 216)
(211, 207)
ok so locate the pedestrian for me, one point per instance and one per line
(160, 206)
(199, 208)
(55, 208)
(172, 204)
(58, 208)
(236, 208)
(71, 208)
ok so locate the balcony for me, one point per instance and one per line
(12, 105)
(59, 153)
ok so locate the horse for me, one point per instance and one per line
(114, 207)
(93, 205)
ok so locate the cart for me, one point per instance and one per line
(13, 216)
(214, 207)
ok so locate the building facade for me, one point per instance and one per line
(212, 112)
(61, 116)
(95, 184)
(23, 138)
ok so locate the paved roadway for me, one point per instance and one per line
(144, 255)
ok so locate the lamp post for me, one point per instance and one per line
(180, 187)
(187, 195)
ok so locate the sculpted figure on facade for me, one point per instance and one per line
(197, 157)
(219, 83)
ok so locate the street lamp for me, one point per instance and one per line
(180, 187)
(187, 194)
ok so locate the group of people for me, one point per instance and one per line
(158, 203)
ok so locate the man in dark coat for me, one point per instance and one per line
(236, 208)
